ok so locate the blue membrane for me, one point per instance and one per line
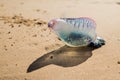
(75, 39)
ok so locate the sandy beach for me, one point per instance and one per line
(25, 40)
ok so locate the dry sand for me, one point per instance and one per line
(24, 37)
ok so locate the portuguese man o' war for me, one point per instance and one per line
(76, 32)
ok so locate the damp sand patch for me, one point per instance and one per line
(20, 20)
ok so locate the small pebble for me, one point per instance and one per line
(15, 64)
(19, 25)
(9, 32)
(118, 62)
(46, 48)
(38, 10)
(12, 26)
(35, 35)
(11, 44)
(6, 49)
(51, 57)
(25, 78)
(10, 38)
(34, 19)
(39, 23)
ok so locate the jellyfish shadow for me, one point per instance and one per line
(64, 56)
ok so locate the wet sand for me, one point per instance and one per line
(26, 40)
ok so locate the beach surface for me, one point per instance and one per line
(25, 37)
